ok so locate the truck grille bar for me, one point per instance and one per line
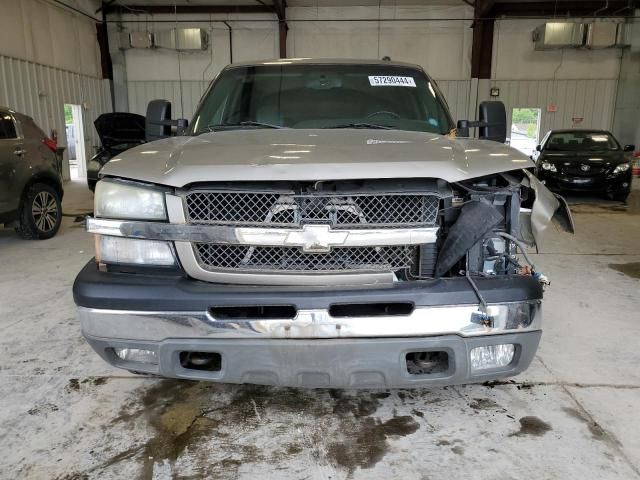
(340, 211)
(293, 259)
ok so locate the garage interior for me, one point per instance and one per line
(66, 414)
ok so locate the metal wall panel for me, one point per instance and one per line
(456, 92)
(593, 100)
(142, 92)
(41, 91)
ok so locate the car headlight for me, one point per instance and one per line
(549, 166)
(121, 200)
(623, 167)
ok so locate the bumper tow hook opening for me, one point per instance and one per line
(208, 361)
(427, 363)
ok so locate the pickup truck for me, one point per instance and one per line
(320, 223)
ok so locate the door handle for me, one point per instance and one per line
(19, 151)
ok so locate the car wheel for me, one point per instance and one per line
(41, 213)
(621, 196)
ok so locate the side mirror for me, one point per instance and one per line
(538, 148)
(158, 120)
(629, 148)
(158, 123)
(493, 121)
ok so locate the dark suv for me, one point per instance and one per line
(30, 185)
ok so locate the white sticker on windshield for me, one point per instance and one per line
(386, 81)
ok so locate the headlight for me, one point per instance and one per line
(133, 251)
(549, 166)
(623, 167)
(128, 201)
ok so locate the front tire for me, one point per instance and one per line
(621, 196)
(41, 212)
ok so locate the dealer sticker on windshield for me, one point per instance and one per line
(380, 81)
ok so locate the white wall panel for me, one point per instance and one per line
(142, 92)
(592, 100)
(443, 48)
(456, 92)
(515, 58)
(45, 33)
(41, 91)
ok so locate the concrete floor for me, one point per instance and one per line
(65, 414)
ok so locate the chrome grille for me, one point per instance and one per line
(209, 207)
(260, 259)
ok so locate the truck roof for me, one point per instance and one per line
(325, 61)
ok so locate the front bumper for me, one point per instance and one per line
(599, 183)
(171, 315)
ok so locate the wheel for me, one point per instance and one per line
(40, 213)
(620, 196)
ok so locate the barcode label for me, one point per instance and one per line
(385, 81)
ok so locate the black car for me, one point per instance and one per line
(118, 131)
(584, 160)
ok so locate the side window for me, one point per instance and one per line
(7, 127)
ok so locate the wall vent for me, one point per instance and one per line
(605, 35)
(183, 39)
(555, 35)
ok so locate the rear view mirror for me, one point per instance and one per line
(629, 148)
(538, 148)
(158, 120)
(493, 121)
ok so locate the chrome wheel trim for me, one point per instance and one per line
(44, 210)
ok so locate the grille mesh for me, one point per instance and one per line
(288, 210)
(238, 257)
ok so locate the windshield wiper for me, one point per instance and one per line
(222, 126)
(360, 125)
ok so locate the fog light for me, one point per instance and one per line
(132, 251)
(136, 355)
(492, 356)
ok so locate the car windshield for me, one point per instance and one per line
(581, 141)
(323, 96)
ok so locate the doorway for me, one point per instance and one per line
(525, 129)
(75, 141)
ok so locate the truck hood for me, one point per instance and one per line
(319, 154)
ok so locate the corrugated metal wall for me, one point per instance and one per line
(457, 95)
(41, 91)
(141, 92)
(592, 100)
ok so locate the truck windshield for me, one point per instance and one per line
(323, 96)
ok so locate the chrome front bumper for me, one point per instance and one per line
(461, 320)
(313, 349)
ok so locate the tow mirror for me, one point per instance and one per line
(158, 122)
(492, 123)
(629, 148)
(493, 117)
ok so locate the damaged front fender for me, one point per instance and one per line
(547, 207)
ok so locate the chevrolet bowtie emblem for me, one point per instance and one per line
(316, 238)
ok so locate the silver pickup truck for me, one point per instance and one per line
(320, 224)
